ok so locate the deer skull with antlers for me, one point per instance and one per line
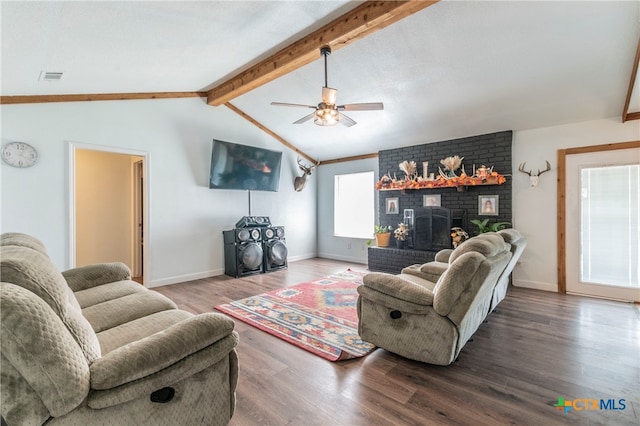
(300, 181)
(534, 179)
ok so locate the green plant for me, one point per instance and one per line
(378, 229)
(485, 226)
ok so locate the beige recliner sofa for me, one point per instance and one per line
(91, 347)
(430, 321)
(433, 270)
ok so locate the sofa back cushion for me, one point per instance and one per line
(22, 240)
(483, 259)
(35, 272)
(44, 371)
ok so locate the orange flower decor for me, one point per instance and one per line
(440, 182)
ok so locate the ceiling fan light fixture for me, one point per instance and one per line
(326, 117)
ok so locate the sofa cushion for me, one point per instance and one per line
(105, 292)
(40, 347)
(35, 272)
(96, 275)
(113, 313)
(453, 283)
(22, 240)
(488, 244)
(140, 328)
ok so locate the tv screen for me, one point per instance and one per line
(235, 166)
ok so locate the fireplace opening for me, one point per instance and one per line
(432, 227)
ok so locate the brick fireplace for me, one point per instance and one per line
(492, 149)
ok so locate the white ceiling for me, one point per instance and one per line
(451, 70)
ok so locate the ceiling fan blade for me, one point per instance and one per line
(305, 118)
(347, 121)
(329, 95)
(370, 106)
(292, 105)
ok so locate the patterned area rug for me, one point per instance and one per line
(319, 316)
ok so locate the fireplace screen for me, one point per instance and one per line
(433, 229)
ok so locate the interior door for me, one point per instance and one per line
(602, 224)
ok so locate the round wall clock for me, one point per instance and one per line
(19, 154)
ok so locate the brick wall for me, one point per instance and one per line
(490, 150)
(392, 260)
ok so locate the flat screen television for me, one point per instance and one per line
(235, 166)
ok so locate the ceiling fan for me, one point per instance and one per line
(327, 113)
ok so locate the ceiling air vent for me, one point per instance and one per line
(50, 76)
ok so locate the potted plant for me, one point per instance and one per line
(382, 234)
(400, 234)
(485, 226)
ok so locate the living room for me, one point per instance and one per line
(186, 219)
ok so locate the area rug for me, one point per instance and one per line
(318, 316)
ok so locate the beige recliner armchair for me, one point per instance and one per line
(91, 347)
(430, 321)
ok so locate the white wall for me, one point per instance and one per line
(329, 246)
(535, 209)
(186, 217)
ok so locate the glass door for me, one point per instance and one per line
(603, 224)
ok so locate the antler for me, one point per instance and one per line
(307, 169)
(545, 170)
(521, 169)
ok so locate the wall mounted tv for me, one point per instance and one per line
(235, 166)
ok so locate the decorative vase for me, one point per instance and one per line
(382, 240)
(400, 244)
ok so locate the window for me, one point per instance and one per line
(610, 225)
(353, 214)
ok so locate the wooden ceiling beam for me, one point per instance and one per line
(626, 115)
(270, 132)
(354, 25)
(39, 99)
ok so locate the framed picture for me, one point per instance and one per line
(432, 200)
(392, 206)
(488, 205)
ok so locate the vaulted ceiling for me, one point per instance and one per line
(448, 70)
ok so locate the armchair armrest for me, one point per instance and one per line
(160, 350)
(94, 275)
(395, 293)
(443, 255)
(432, 271)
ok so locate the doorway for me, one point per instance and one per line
(599, 226)
(108, 188)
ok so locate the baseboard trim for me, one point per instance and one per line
(301, 257)
(343, 258)
(536, 285)
(184, 278)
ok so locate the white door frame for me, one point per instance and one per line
(71, 150)
(562, 200)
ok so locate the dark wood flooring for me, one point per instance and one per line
(537, 347)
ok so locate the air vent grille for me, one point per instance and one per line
(50, 76)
